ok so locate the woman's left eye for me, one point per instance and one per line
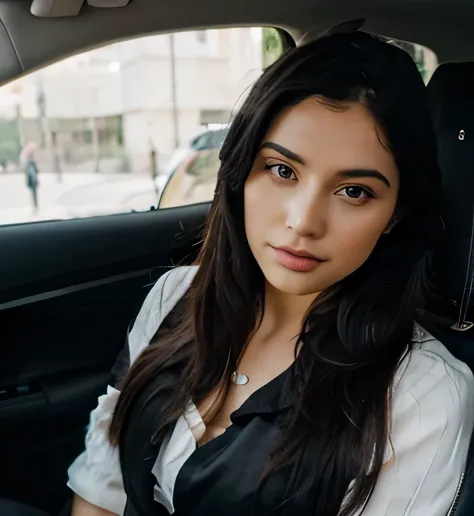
(357, 193)
(281, 171)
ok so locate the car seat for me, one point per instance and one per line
(451, 97)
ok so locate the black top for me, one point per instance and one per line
(222, 476)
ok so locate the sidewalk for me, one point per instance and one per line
(77, 195)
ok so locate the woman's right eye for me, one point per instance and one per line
(281, 171)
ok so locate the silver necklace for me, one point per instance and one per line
(239, 378)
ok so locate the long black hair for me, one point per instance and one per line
(357, 330)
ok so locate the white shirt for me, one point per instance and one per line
(432, 418)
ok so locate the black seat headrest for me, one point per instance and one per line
(451, 97)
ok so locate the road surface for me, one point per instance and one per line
(77, 195)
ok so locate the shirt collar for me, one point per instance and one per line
(272, 398)
(276, 396)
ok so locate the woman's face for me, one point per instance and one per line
(321, 192)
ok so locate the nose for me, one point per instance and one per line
(307, 215)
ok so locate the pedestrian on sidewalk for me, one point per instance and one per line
(28, 162)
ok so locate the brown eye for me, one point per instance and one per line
(355, 192)
(281, 171)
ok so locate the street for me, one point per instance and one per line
(77, 195)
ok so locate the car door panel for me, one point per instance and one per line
(69, 291)
(122, 243)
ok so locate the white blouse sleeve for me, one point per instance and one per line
(96, 475)
(432, 422)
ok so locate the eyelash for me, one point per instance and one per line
(365, 190)
(276, 174)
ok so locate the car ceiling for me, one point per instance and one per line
(28, 42)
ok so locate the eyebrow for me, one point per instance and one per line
(356, 173)
(363, 172)
(283, 151)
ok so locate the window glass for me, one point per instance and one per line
(118, 128)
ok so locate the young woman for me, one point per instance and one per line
(285, 373)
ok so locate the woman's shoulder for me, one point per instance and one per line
(431, 423)
(172, 286)
(161, 299)
(429, 370)
(169, 288)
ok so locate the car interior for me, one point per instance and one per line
(69, 288)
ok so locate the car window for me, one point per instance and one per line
(202, 142)
(132, 125)
(118, 128)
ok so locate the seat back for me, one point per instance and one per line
(451, 97)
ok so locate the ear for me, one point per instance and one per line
(392, 223)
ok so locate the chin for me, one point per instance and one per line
(294, 283)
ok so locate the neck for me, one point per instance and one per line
(283, 312)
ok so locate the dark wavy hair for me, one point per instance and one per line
(357, 330)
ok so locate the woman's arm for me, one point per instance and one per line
(432, 422)
(81, 507)
(95, 476)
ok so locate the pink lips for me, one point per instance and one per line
(299, 261)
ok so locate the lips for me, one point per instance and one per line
(297, 260)
(301, 254)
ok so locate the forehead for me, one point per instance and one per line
(348, 137)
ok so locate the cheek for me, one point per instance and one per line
(357, 236)
(259, 208)
(252, 212)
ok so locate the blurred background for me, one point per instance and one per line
(130, 126)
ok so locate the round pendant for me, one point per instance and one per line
(239, 378)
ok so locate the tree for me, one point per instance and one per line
(272, 46)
